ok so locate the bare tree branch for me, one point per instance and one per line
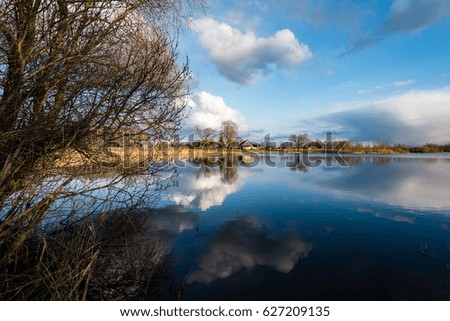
(75, 74)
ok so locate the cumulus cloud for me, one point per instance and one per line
(244, 243)
(210, 111)
(417, 117)
(243, 57)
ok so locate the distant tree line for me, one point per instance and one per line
(227, 137)
(430, 148)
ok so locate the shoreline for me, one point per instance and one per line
(115, 156)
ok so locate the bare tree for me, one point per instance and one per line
(228, 133)
(299, 140)
(207, 135)
(72, 75)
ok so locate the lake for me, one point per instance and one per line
(289, 228)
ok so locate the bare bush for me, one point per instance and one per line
(74, 75)
(111, 256)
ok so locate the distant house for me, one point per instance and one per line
(246, 144)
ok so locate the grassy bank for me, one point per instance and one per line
(128, 156)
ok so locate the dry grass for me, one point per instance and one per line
(132, 156)
(112, 257)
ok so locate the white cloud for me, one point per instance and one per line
(244, 57)
(402, 83)
(417, 117)
(210, 111)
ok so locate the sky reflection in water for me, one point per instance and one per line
(376, 229)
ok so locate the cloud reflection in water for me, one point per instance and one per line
(211, 185)
(243, 243)
(417, 184)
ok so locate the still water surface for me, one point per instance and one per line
(275, 229)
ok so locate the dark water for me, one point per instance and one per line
(280, 229)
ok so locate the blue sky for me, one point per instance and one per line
(366, 70)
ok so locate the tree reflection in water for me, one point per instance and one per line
(97, 242)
